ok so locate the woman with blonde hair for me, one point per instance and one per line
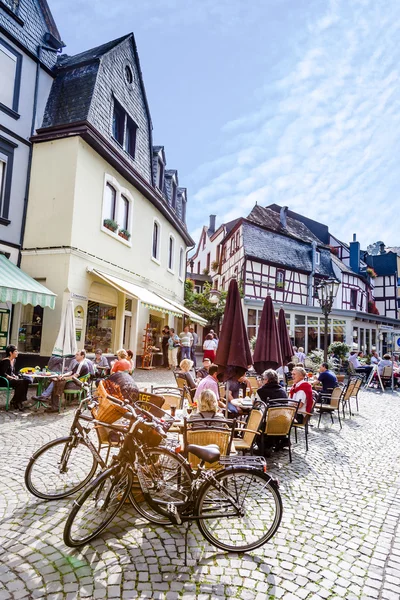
(122, 364)
(186, 365)
(208, 409)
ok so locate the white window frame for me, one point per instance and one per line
(156, 259)
(120, 191)
(171, 270)
(317, 257)
(181, 263)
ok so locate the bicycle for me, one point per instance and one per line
(237, 508)
(64, 466)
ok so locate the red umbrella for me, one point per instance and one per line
(233, 353)
(267, 353)
(286, 345)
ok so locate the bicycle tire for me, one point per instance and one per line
(99, 502)
(39, 478)
(169, 482)
(259, 497)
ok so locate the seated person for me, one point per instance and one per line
(203, 372)
(209, 383)
(130, 360)
(301, 393)
(385, 362)
(100, 363)
(358, 367)
(234, 386)
(208, 409)
(271, 393)
(20, 386)
(327, 378)
(66, 381)
(375, 358)
(122, 364)
(186, 365)
(283, 373)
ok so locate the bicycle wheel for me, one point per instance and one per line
(245, 518)
(60, 468)
(97, 506)
(168, 478)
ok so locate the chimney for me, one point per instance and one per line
(355, 255)
(282, 216)
(382, 249)
(211, 227)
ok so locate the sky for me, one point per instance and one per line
(294, 102)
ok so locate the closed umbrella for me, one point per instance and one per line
(286, 344)
(65, 345)
(233, 353)
(267, 353)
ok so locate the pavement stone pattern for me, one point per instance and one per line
(339, 537)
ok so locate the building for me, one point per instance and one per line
(29, 45)
(106, 219)
(278, 252)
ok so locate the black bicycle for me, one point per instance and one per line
(237, 508)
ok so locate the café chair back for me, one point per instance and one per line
(334, 405)
(254, 382)
(203, 432)
(172, 396)
(278, 423)
(386, 376)
(304, 425)
(251, 431)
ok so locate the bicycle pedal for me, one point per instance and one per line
(174, 512)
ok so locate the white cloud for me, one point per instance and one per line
(325, 136)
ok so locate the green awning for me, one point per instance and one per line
(17, 286)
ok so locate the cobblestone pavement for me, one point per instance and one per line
(339, 537)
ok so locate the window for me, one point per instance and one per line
(124, 129)
(280, 279)
(160, 174)
(223, 283)
(198, 268)
(173, 197)
(353, 299)
(208, 261)
(204, 240)
(124, 213)
(171, 253)
(180, 272)
(232, 245)
(6, 170)
(317, 257)
(237, 240)
(156, 240)
(100, 327)
(128, 75)
(10, 69)
(110, 201)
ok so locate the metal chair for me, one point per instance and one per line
(70, 393)
(5, 387)
(251, 430)
(203, 432)
(279, 423)
(304, 425)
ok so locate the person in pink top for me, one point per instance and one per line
(209, 383)
(122, 364)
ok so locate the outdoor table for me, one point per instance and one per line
(41, 378)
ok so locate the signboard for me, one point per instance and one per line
(4, 325)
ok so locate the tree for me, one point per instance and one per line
(200, 303)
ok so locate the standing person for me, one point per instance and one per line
(210, 347)
(173, 345)
(194, 345)
(300, 355)
(301, 392)
(20, 386)
(164, 346)
(186, 343)
(122, 364)
(55, 389)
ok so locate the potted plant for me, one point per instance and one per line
(214, 265)
(280, 285)
(206, 271)
(110, 224)
(371, 272)
(124, 233)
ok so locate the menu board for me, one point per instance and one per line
(4, 324)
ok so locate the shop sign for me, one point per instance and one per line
(78, 296)
(385, 327)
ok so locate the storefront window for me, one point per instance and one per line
(373, 338)
(339, 330)
(251, 322)
(30, 330)
(100, 328)
(312, 323)
(367, 341)
(300, 337)
(362, 346)
(299, 320)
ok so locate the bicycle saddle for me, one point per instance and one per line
(208, 453)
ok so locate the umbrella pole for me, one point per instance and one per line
(226, 398)
(63, 365)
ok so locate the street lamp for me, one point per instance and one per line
(326, 293)
(214, 296)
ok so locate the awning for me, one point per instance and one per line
(192, 316)
(146, 297)
(17, 286)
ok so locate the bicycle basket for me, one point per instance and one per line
(107, 411)
(148, 435)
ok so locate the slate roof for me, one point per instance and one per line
(318, 229)
(270, 219)
(342, 266)
(94, 54)
(383, 264)
(289, 252)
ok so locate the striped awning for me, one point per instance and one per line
(192, 316)
(17, 286)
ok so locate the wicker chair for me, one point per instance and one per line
(202, 433)
(330, 408)
(279, 423)
(251, 430)
(358, 381)
(254, 382)
(386, 376)
(304, 425)
(182, 385)
(172, 396)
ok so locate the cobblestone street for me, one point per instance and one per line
(339, 537)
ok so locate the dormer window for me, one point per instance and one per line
(173, 194)
(160, 174)
(124, 129)
(317, 257)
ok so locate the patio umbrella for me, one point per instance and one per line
(65, 345)
(233, 352)
(286, 345)
(267, 353)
